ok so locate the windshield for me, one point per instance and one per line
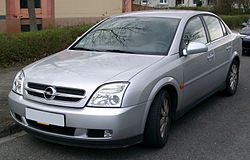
(142, 35)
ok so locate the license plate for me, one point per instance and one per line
(45, 118)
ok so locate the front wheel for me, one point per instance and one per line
(158, 121)
(232, 79)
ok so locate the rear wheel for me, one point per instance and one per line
(245, 52)
(232, 79)
(158, 121)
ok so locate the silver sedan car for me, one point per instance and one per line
(124, 80)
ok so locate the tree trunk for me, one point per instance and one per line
(32, 15)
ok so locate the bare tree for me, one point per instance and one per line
(244, 3)
(224, 6)
(32, 15)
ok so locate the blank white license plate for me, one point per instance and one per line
(45, 118)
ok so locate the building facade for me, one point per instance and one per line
(170, 3)
(14, 13)
(2, 9)
(85, 11)
(2, 15)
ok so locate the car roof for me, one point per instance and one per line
(180, 14)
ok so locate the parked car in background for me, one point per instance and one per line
(127, 78)
(245, 34)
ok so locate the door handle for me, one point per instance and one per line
(229, 49)
(210, 57)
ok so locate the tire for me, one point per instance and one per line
(232, 79)
(243, 52)
(158, 121)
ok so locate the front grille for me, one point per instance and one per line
(18, 117)
(37, 86)
(69, 131)
(246, 44)
(62, 93)
(95, 133)
(36, 94)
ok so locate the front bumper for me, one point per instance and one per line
(126, 124)
(246, 44)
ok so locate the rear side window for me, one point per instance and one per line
(214, 27)
(194, 32)
(224, 29)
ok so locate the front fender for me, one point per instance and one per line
(159, 85)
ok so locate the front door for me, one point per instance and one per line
(196, 68)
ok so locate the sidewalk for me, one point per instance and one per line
(7, 125)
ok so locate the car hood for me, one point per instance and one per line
(85, 66)
(87, 70)
(245, 31)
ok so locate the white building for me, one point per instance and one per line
(2, 9)
(170, 3)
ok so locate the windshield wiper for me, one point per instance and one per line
(119, 51)
(104, 50)
(85, 49)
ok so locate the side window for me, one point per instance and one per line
(223, 29)
(194, 32)
(214, 27)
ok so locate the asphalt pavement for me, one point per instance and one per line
(7, 125)
(217, 129)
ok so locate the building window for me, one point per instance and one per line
(2, 17)
(24, 3)
(144, 1)
(196, 1)
(26, 27)
(179, 2)
(163, 1)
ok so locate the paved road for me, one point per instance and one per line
(6, 79)
(217, 129)
(7, 76)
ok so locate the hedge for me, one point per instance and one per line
(202, 8)
(234, 22)
(24, 48)
(216, 10)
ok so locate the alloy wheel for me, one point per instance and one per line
(233, 77)
(164, 118)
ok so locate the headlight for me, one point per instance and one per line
(247, 37)
(244, 36)
(18, 83)
(109, 95)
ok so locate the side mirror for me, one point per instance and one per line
(194, 48)
(244, 24)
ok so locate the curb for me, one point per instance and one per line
(9, 129)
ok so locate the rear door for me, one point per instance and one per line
(221, 43)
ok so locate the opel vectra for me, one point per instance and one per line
(124, 80)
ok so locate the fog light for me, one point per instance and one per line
(108, 133)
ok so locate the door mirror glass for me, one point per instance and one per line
(194, 48)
